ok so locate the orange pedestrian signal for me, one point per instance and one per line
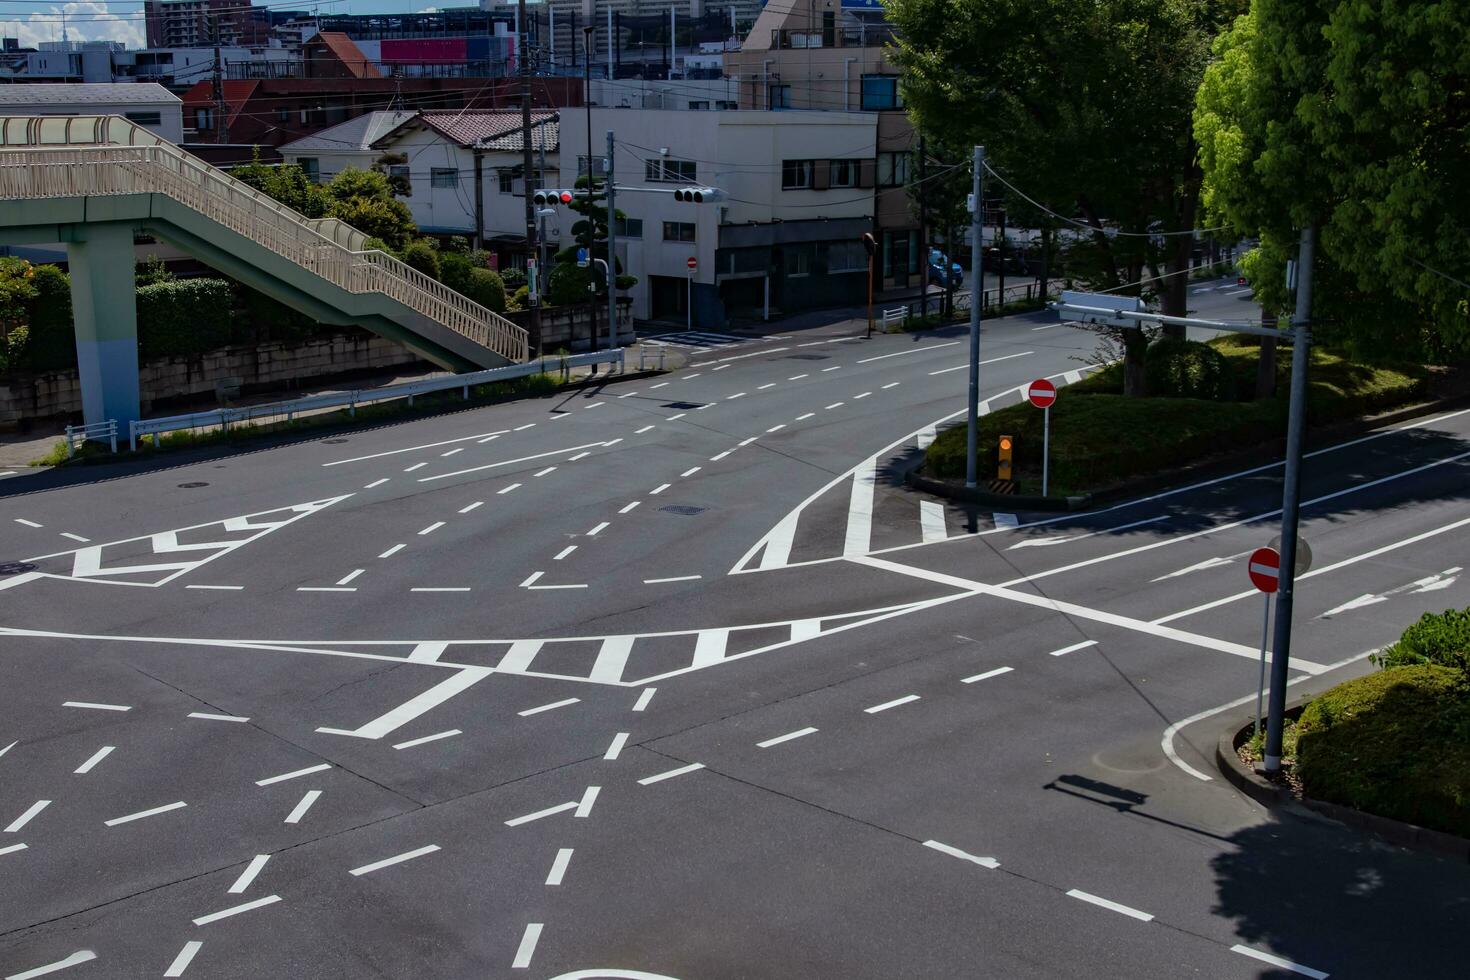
(1003, 459)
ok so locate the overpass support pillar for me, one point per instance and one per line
(104, 308)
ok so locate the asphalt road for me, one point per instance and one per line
(672, 678)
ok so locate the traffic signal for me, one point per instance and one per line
(699, 195)
(553, 197)
(1003, 457)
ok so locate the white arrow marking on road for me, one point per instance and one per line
(1363, 600)
(1200, 566)
(1437, 583)
(1047, 542)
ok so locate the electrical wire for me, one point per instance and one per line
(1443, 275)
(1084, 225)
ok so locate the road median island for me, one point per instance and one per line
(1388, 752)
(1105, 445)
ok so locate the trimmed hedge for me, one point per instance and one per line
(185, 316)
(1187, 369)
(53, 344)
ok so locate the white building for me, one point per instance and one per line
(325, 154)
(150, 106)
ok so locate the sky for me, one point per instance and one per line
(122, 20)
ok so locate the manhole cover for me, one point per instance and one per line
(808, 357)
(16, 567)
(333, 442)
(192, 486)
(683, 510)
(683, 406)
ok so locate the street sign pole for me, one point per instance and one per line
(1042, 394)
(692, 263)
(1264, 567)
(977, 297)
(612, 250)
(1045, 445)
(1265, 634)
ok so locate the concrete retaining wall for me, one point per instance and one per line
(567, 327)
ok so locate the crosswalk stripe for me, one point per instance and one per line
(859, 538)
(710, 647)
(519, 656)
(931, 520)
(611, 659)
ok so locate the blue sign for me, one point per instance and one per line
(875, 5)
(581, 258)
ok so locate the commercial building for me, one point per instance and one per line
(197, 23)
(151, 106)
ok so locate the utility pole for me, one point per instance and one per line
(612, 252)
(924, 232)
(591, 181)
(977, 297)
(1301, 352)
(523, 66)
(219, 83)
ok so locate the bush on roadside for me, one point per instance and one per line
(422, 256)
(1187, 369)
(1437, 638)
(185, 317)
(486, 288)
(53, 345)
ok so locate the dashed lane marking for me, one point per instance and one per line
(248, 875)
(477, 503)
(785, 738)
(75, 959)
(208, 717)
(993, 360)
(1100, 902)
(427, 738)
(392, 551)
(671, 578)
(115, 821)
(186, 956)
(26, 817)
(628, 508)
(22, 520)
(644, 698)
(597, 529)
(616, 747)
(527, 948)
(905, 353)
(548, 707)
(413, 449)
(217, 588)
(891, 704)
(376, 483)
(689, 472)
(395, 859)
(96, 757)
(1278, 961)
(984, 862)
(561, 554)
(1074, 648)
(659, 489)
(670, 774)
(986, 675)
(75, 537)
(205, 920)
(96, 706)
(299, 810)
(559, 867)
(344, 580)
(452, 452)
(543, 472)
(415, 466)
(507, 489)
(270, 780)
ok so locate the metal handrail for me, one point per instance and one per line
(56, 162)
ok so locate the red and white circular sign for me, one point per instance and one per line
(1265, 569)
(1042, 393)
(692, 263)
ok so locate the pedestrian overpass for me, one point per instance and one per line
(92, 183)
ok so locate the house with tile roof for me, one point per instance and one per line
(327, 153)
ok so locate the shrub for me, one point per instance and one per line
(1187, 369)
(487, 289)
(184, 316)
(521, 299)
(53, 345)
(421, 255)
(1437, 638)
(514, 279)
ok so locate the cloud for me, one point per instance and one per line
(84, 22)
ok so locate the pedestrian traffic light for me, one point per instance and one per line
(1003, 458)
(699, 195)
(553, 197)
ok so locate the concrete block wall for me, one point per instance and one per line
(567, 326)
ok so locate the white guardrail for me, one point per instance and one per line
(225, 417)
(99, 431)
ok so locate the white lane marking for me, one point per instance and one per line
(805, 629)
(559, 866)
(785, 738)
(765, 386)
(891, 384)
(693, 375)
(527, 948)
(350, 576)
(549, 469)
(395, 859)
(776, 428)
(646, 428)
(993, 360)
(931, 520)
(628, 395)
(644, 698)
(550, 811)
(719, 456)
(562, 553)
(248, 875)
(597, 530)
(414, 449)
(80, 956)
(1239, 292)
(615, 748)
(738, 394)
(511, 462)
(548, 707)
(689, 472)
(460, 681)
(143, 813)
(661, 384)
(926, 436)
(270, 780)
(863, 395)
(1385, 549)
(1113, 906)
(612, 658)
(890, 704)
(858, 538)
(185, 957)
(217, 588)
(797, 377)
(22, 520)
(986, 675)
(1072, 377)
(1278, 961)
(835, 367)
(808, 415)
(778, 542)
(1166, 743)
(1045, 326)
(723, 366)
(745, 442)
(1074, 648)
(28, 816)
(594, 405)
(671, 578)
(1004, 520)
(709, 647)
(415, 466)
(325, 588)
(1047, 542)
(629, 507)
(12, 848)
(582, 455)
(467, 509)
(75, 537)
(432, 528)
(833, 405)
(452, 452)
(675, 418)
(392, 551)
(205, 920)
(561, 414)
(209, 717)
(1363, 600)
(905, 353)
(523, 428)
(486, 439)
(984, 862)
(7, 472)
(1081, 612)
(427, 738)
(97, 757)
(659, 489)
(508, 489)
(9, 747)
(543, 588)
(96, 705)
(299, 810)
(1196, 567)
(589, 797)
(670, 774)
(427, 652)
(532, 579)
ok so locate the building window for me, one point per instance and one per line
(203, 119)
(846, 257)
(881, 92)
(599, 166)
(698, 106)
(399, 171)
(797, 174)
(630, 227)
(726, 106)
(443, 177)
(507, 178)
(669, 171)
(798, 261)
(779, 97)
(678, 231)
(312, 166)
(283, 114)
(146, 118)
(844, 173)
(894, 169)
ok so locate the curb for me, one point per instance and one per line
(1267, 793)
(974, 495)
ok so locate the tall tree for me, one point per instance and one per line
(1085, 106)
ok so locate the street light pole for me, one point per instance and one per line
(612, 252)
(1301, 352)
(977, 297)
(529, 185)
(591, 225)
(870, 244)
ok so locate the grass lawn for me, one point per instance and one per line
(1101, 439)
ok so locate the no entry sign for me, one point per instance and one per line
(1042, 393)
(692, 263)
(1265, 569)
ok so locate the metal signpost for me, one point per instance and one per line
(693, 264)
(1264, 569)
(1043, 394)
(977, 298)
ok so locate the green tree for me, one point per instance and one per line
(286, 183)
(422, 255)
(364, 200)
(1085, 105)
(399, 184)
